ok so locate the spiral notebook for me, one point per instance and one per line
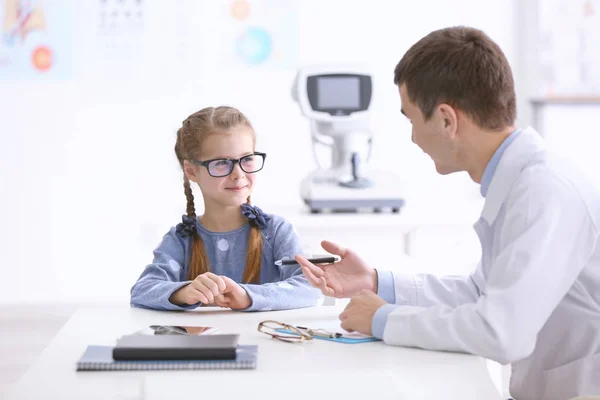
(99, 358)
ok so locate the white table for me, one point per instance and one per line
(317, 369)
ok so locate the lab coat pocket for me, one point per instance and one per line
(577, 378)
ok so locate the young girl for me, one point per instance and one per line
(225, 257)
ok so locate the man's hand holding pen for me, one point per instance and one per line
(348, 277)
(341, 279)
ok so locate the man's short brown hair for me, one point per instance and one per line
(463, 67)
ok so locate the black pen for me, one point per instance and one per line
(317, 260)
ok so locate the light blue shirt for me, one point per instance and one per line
(281, 287)
(386, 288)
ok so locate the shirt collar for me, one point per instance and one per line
(509, 168)
(490, 169)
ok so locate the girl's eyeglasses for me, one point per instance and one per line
(283, 332)
(220, 167)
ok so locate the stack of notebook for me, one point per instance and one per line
(170, 352)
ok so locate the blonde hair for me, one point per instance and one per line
(196, 127)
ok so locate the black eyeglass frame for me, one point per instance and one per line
(233, 162)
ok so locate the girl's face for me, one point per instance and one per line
(216, 183)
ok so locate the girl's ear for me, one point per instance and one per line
(190, 170)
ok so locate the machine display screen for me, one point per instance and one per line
(338, 92)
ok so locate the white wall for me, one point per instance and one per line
(88, 176)
(573, 131)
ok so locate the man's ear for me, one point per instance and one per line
(190, 170)
(449, 119)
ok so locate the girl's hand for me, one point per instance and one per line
(203, 289)
(234, 296)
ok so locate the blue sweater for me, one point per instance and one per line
(283, 287)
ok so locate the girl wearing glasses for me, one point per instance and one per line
(226, 256)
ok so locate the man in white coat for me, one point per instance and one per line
(534, 299)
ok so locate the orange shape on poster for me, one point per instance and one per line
(240, 9)
(42, 58)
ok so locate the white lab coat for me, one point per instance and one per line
(534, 299)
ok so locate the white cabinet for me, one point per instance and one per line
(379, 247)
(439, 243)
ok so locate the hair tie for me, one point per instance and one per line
(187, 227)
(255, 216)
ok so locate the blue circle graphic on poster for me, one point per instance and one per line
(254, 46)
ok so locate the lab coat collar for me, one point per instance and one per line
(513, 161)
